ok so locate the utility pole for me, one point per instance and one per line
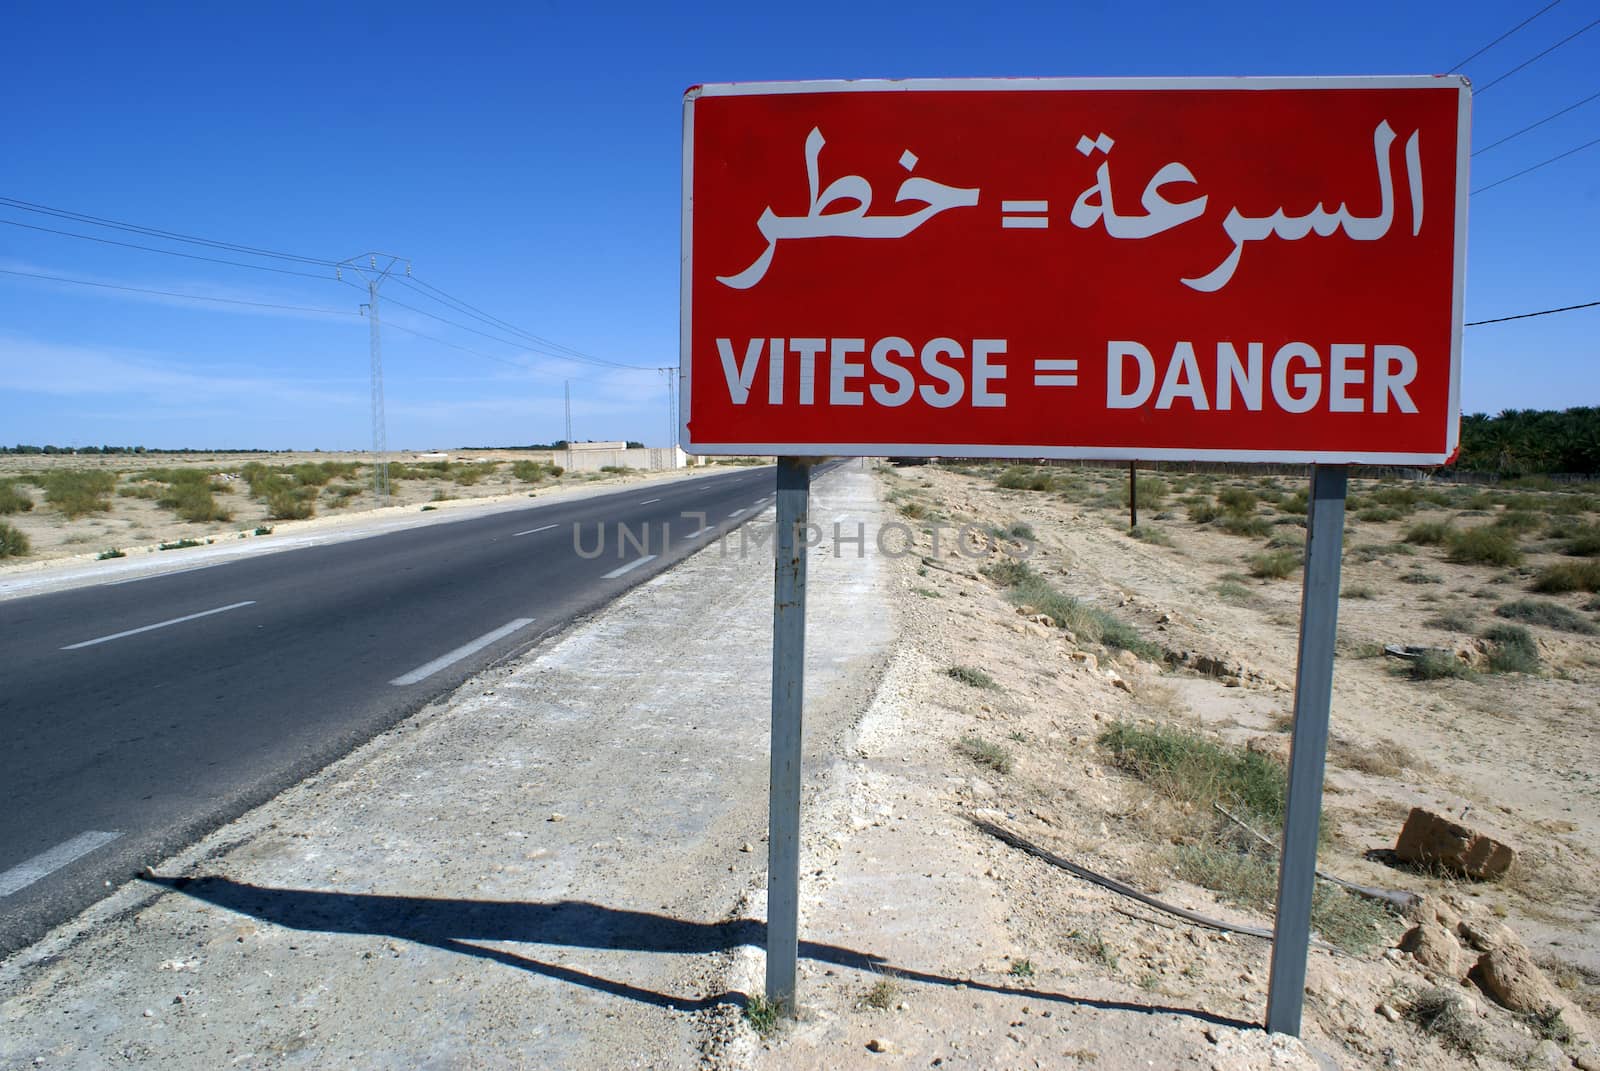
(671, 375)
(569, 413)
(374, 275)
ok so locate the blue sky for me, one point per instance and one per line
(526, 160)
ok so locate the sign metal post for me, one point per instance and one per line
(788, 697)
(1313, 689)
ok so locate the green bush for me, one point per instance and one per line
(467, 474)
(1379, 515)
(1203, 512)
(1428, 533)
(1152, 491)
(1237, 501)
(13, 500)
(1439, 665)
(1514, 649)
(76, 492)
(1200, 771)
(1089, 624)
(13, 544)
(190, 494)
(1024, 478)
(1549, 614)
(1583, 542)
(1253, 527)
(986, 753)
(1274, 564)
(530, 471)
(1483, 546)
(971, 676)
(1569, 576)
(1517, 521)
(291, 504)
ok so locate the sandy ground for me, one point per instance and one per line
(138, 526)
(991, 958)
(563, 865)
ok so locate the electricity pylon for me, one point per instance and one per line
(367, 267)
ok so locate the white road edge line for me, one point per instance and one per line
(735, 513)
(531, 531)
(613, 574)
(158, 624)
(48, 862)
(697, 535)
(169, 572)
(647, 501)
(423, 672)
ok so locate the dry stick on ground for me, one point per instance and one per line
(1398, 899)
(1129, 891)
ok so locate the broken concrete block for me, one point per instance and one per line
(1432, 840)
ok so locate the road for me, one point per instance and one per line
(140, 715)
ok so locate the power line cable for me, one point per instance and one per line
(1535, 167)
(1541, 122)
(156, 232)
(1529, 315)
(174, 293)
(466, 308)
(1503, 36)
(521, 365)
(1575, 34)
(168, 252)
(519, 344)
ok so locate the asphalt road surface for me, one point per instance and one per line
(138, 716)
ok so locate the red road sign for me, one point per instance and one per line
(1235, 269)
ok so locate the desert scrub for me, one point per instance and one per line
(970, 676)
(1203, 512)
(1199, 771)
(1236, 593)
(1428, 533)
(1024, 478)
(1483, 546)
(108, 554)
(534, 471)
(191, 494)
(1358, 591)
(1580, 542)
(1439, 665)
(1250, 527)
(882, 994)
(985, 753)
(76, 492)
(340, 494)
(1452, 621)
(1517, 521)
(1152, 491)
(1274, 564)
(1249, 880)
(1513, 650)
(1158, 536)
(1568, 576)
(1442, 1014)
(1549, 614)
(13, 500)
(470, 473)
(1090, 624)
(1237, 502)
(763, 1015)
(13, 544)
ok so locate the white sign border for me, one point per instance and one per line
(1096, 453)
